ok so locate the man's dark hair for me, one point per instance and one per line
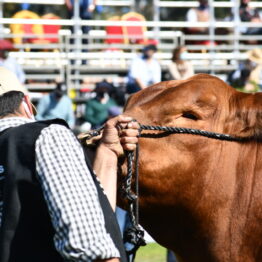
(10, 102)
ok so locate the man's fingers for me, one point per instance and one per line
(121, 119)
(128, 140)
(129, 132)
(129, 147)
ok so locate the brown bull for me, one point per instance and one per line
(199, 196)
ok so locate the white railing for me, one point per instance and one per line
(62, 2)
(162, 24)
(38, 2)
(216, 57)
(221, 4)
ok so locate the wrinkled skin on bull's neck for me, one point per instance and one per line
(201, 197)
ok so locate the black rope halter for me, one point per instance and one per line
(135, 234)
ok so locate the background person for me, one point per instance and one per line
(10, 62)
(144, 71)
(179, 68)
(199, 14)
(86, 10)
(248, 14)
(56, 105)
(96, 111)
(254, 81)
(57, 187)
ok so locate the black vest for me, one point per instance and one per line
(26, 233)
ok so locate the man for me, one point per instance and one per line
(86, 9)
(199, 14)
(10, 62)
(96, 112)
(56, 105)
(145, 70)
(51, 204)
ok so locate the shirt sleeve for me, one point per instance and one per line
(191, 15)
(135, 69)
(71, 197)
(157, 72)
(189, 70)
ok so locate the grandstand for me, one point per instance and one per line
(46, 61)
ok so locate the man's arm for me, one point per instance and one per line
(136, 71)
(140, 84)
(71, 197)
(92, 6)
(69, 5)
(113, 143)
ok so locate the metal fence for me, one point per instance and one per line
(71, 60)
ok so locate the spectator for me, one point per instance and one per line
(45, 178)
(179, 68)
(87, 7)
(96, 111)
(238, 78)
(145, 70)
(248, 14)
(248, 77)
(10, 62)
(56, 105)
(254, 82)
(199, 14)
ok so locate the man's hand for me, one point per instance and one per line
(120, 133)
(69, 5)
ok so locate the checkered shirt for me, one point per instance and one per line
(70, 194)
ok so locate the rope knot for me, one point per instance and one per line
(135, 236)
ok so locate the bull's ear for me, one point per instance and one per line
(256, 109)
(247, 115)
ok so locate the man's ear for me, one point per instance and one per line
(30, 105)
(27, 100)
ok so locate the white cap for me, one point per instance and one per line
(9, 82)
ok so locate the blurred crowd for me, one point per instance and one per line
(106, 100)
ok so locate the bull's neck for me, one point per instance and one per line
(211, 202)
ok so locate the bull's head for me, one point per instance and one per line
(189, 184)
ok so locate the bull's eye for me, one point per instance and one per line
(189, 115)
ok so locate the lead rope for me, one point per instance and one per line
(135, 234)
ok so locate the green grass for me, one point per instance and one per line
(152, 252)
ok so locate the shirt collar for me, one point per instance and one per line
(13, 121)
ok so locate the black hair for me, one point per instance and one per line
(10, 102)
(60, 90)
(4, 54)
(150, 47)
(176, 53)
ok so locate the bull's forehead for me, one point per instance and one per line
(206, 96)
(201, 88)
